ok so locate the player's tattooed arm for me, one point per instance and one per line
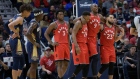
(133, 29)
(11, 25)
(51, 27)
(30, 31)
(75, 30)
(117, 38)
(103, 20)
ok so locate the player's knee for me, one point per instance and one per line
(33, 65)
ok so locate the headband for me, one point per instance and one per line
(36, 14)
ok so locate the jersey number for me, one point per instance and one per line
(95, 25)
(64, 33)
(109, 36)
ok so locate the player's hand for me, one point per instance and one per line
(133, 66)
(122, 31)
(6, 67)
(15, 35)
(77, 48)
(55, 44)
(37, 44)
(49, 72)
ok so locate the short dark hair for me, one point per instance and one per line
(27, 7)
(58, 12)
(131, 46)
(86, 13)
(109, 15)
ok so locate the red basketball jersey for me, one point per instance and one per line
(93, 25)
(107, 36)
(82, 34)
(61, 33)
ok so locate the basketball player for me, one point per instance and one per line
(93, 30)
(33, 43)
(108, 36)
(61, 45)
(16, 39)
(134, 30)
(79, 46)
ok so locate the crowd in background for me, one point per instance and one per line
(123, 10)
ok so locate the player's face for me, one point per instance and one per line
(26, 13)
(95, 8)
(86, 18)
(60, 16)
(41, 17)
(110, 19)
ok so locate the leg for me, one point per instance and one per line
(94, 63)
(77, 70)
(111, 70)
(15, 67)
(21, 65)
(44, 75)
(59, 66)
(85, 71)
(64, 65)
(125, 67)
(102, 69)
(33, 70)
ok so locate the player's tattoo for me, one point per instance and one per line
(31, 28)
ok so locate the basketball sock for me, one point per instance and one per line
(59, 77)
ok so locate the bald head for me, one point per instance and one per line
(94, 8)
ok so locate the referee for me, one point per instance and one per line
(135, 30)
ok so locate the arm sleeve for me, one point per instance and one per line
(133, 24)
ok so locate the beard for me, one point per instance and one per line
(111, 23)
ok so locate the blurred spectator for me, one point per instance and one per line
(130, 61)
(125, 7)
(46, 21)
(137, 9)
(47, 63)
(41, 3)
(131, 12)
(7, 60)
(1, 20)
(2, 42)
(69, 8)
(133, 40)
(113, 9)
(107, 4)
(133, 3)
(119, 15)
(126, 45)
(52, 12)
(44, 25)
(56, 3)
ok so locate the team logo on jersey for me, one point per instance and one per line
(109, 34)
(64, 30)
(84, 32)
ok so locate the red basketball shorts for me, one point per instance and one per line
(107, 54)
(83, 56)
(92, 46)
(62, 52)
